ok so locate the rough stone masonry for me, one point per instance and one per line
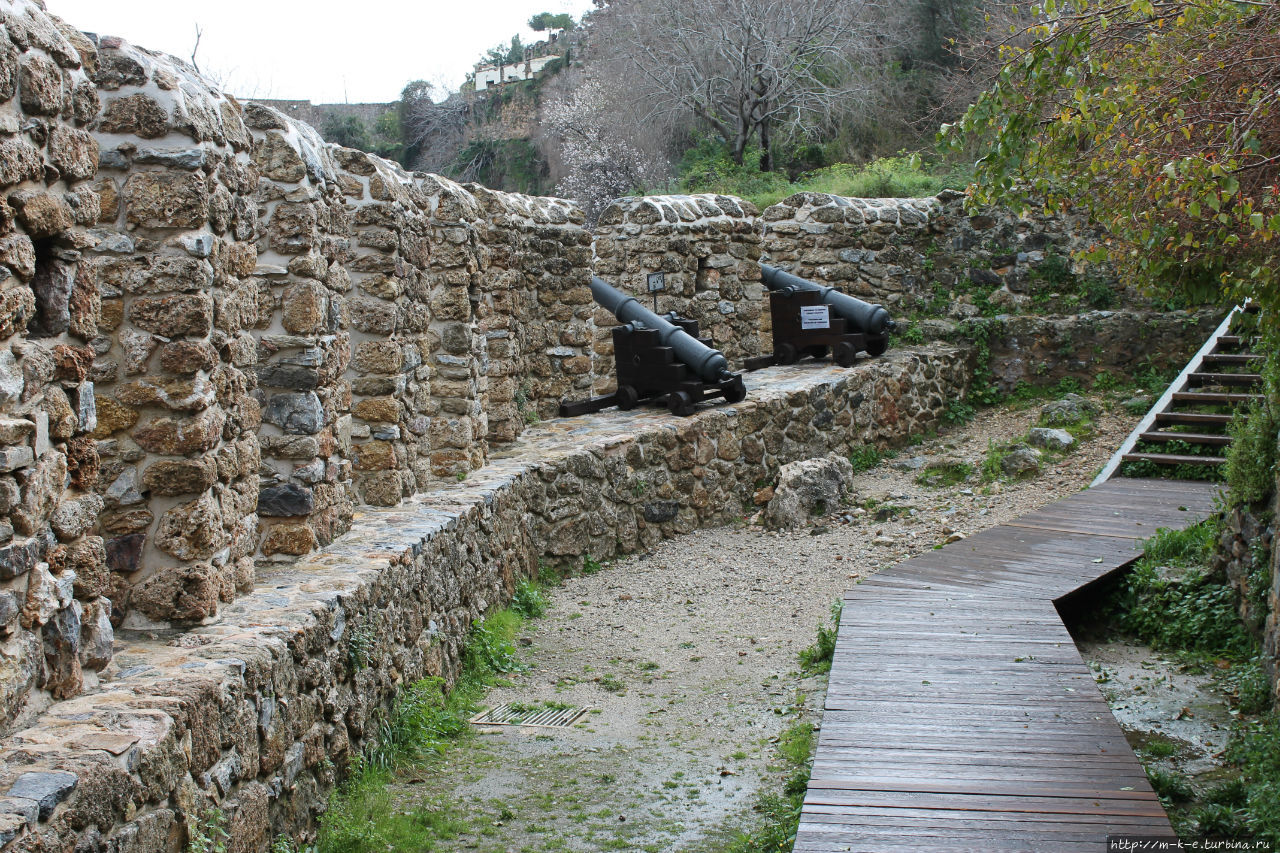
(271, 423)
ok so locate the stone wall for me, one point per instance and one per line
(1042, 351)
(219, 335)
(259, 713)
(707, 247)
(54, 617)
(177, 419)
(535, 309)
(895, 251)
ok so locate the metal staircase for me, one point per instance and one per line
(1193, 413)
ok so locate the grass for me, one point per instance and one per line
(707, 168)
(779, 814)
(424, 722)
(942, 474)
(817, 657)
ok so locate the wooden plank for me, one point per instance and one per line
(1174, 459)
(1210, 439)
(960, 715)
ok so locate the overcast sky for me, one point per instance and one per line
(324, 51)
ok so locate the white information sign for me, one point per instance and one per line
(656, 281)
(815, 317)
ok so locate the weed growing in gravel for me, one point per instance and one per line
(817, 658)
(528, 601)
(867, 457)
(780, 813)
(942, 474)
(796, 742)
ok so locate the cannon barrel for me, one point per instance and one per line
(710, 365)
(872, 319)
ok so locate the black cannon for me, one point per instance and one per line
(658, 358)
(812, 320)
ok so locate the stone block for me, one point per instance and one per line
(19, 558)
(277, 159)
(180, 476)
(13, 458)
(135, 115)
(291, 539)
(42, 214)
(302, 309)
(374, 456)
(286, 499)
(174, 316)
(181, 593)
(124, 553)
(61, 635)
(192, 531)
(295, 413)
(74, 152)
(181, 436)
(41, 86)
(376, 357)
(166, 199)
(97, 638)
(378, 410)
(46, 788)
(73, 518)
(19, 161)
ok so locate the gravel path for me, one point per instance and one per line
(687, 658)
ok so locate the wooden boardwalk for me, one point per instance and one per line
(959, 714)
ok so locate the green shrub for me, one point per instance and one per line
(942, 474)
(1251, 458)
(1188, 610)
(958, 411)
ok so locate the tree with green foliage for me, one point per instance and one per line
(544, 21)
(507, 54)
(1157, 117)
(347, 131)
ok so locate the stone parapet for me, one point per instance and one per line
(900, 251)
(260, 713)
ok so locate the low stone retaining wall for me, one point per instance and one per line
(259, 713)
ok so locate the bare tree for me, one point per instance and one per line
(434, 132)
(746, 68)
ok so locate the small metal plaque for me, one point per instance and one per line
(815, 317)
(657, 281)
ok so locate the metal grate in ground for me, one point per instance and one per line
(526, 714)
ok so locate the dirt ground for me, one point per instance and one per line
(687, 658)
